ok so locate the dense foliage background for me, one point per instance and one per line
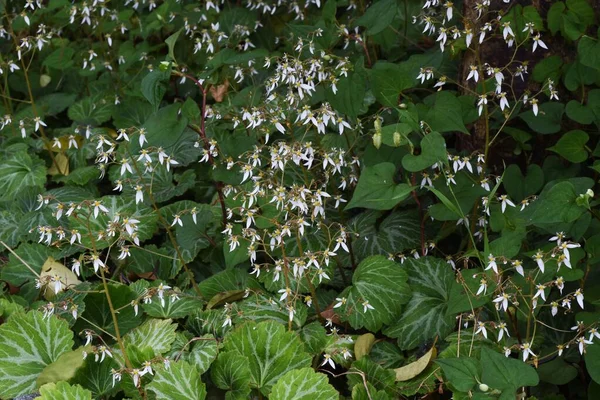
(299, 199)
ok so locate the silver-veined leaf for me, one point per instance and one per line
(64, 391)
(303, 384)
(379, 289)
(155, 333)
(180, 381)
(28, 343)
(431, 280)
(271, 351)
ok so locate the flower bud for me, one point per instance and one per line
(377, 140)
(45, 80)
(397, 138)
(483, 387)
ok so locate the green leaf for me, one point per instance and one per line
(154, 87)
(554, 17)
(97, 377)
(18, 274)
(93, 110)
(592, 362)
(557, 371)
(97, 310)
(588, 49)
(28, 343)
(170, 41)
(377, 190)
(303, 384)
(398, 232)
(203, 353)
(571, 146)
(231, 372)
(505, 374)
(180, 381)
(379, 377)
(271, 351)
(548, 68)
(61, 58)
(64, 391)
(173, 308)
(18, 171)
(445, 114)
(518, 186)
(556, 204)
(64, 368)
(351, 92)
(390, 79)
(433, 150)
(425, 316)
(579, 112)
(463, 373)
(548, 119)
(381, 282)
(155, 333)
(378, 16)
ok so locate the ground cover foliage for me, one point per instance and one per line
(312, 199)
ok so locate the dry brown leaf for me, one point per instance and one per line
(363, 345)
(52, 267)
(415, 368)
(218, 92)
(63, 165)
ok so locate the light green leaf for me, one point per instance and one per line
(463, 373)
(18, 171)
(155, 333)
(571, 146)
(381, 378)
(170, 41)
(433, 150)
(377, 189)
(231, 372)
(180, 381)
(64, 391)
(506, 374)
(431, 281)
(271, 351)
(556, 205)
(303, 384)
(64, 368)
(203, 353)
(381, 282)
(93, 110)
(29, 343)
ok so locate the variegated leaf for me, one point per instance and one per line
(28, 343)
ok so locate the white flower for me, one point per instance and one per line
(537, 41)
(492, 264)
(505, 201)
(481, 329)
(482, 287)
(502, 300)
(340, 302)
(327, 360)
(540, 292)
(534, 106)
(284, 293)
(474, 73)
(539, 259)
(526, 347)
(367, 306)
(582, 344)
(502, 330)
(579, 296)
